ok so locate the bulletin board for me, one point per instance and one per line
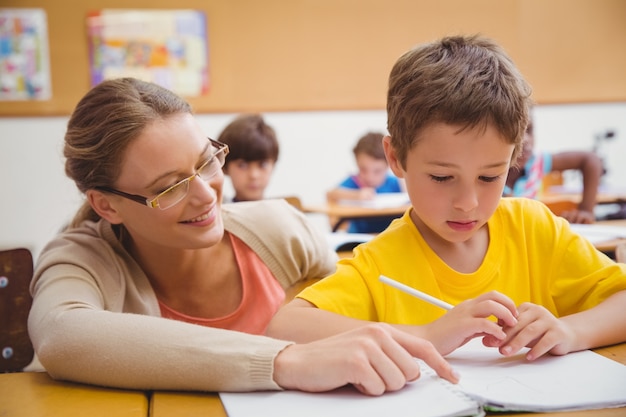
(307, 55)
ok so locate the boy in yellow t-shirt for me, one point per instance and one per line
(457, 111)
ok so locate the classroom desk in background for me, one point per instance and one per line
(35, 394)
(344, 212)
(601, 198)
(171, 404)
(608, 246)
(341, 213)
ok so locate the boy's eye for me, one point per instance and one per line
(489, 179)
(242, 164)
(440, 179)
(265, 164)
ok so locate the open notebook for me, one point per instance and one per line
(489, 381)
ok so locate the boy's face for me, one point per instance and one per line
(372, 171)
(454, 179)
(250, 178)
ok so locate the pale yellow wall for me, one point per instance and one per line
(291, 55)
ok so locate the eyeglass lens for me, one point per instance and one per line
(178, 192)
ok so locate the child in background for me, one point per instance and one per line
(457, 110)
(526, 176)
(373, 178)
(253, 155)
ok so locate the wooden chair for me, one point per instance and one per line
(16, 271)
(620, 253)
(294, 201)
(554, 178)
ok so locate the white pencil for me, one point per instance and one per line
(416, 293)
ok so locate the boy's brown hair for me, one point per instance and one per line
(250, 138)
(370, 144)
(466, 81)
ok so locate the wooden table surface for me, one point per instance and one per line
(35, 394)
(609, 246)
(601, 198)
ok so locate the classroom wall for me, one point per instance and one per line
(316, 153)
(286, 55)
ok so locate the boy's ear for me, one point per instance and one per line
(102, 205)
(392, 158)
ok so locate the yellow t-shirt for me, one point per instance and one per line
(532, 256)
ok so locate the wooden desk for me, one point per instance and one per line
(609, 246)
(343, 213)
(169, 404)
(601, 198)
(35, 394)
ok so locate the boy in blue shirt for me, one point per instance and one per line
(373, 177)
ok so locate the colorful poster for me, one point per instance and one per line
(168, 47)
(24, 59)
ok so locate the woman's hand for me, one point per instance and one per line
(375, 358)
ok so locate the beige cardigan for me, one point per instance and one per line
(95, 318)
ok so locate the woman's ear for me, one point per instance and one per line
(101, 204)
(392, 157)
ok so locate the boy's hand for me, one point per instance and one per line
(539, 330)
(366, 193)
(579, 216)
(470, 319)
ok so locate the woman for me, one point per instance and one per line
(153, 242)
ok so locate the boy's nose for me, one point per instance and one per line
(466, 198)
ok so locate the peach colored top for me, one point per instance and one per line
(262, 296)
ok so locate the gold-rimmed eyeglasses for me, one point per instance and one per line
(174, 194)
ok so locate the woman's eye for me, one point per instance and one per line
(210, 165)
(162, 190)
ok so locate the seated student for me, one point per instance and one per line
(373, 177)
(156, 285)
(457, 109)
(526, 176)
(252, 157)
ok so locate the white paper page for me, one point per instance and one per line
(381, 200)
(339, 239)
(596, 233)
(580, 380)
(429, 396)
